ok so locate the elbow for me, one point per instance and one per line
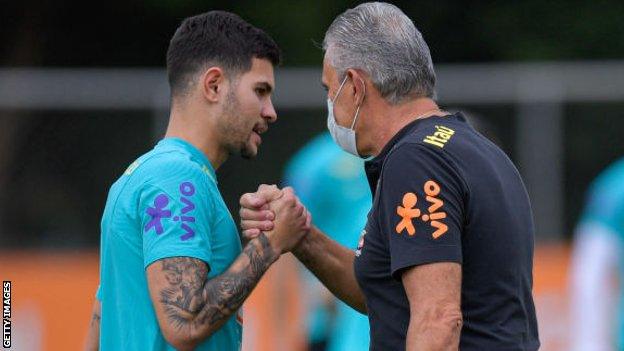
(182, 346)
(449, 320)
(180, 342)
(439, 325)
(454, 321)
(187, 338)
(182, 339)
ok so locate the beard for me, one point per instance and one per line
(236, 128)
(247, 153)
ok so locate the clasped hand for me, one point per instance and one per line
(276, 212)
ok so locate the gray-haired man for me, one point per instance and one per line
(445, 259)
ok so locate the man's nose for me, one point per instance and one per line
(268, 112)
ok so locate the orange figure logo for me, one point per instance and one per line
(407, 212)
(434, 215)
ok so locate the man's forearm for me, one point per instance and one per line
(332, 264)
(93, 336)
(197, 307)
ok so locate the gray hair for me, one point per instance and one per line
(381, 40)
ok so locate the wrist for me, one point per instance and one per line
(270, 248)
(302, 246)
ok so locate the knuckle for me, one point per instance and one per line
(288, 198)
(263, 187)
(243, 198)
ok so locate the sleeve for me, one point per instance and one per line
(98, 293)
(421, 203)
(176, 214)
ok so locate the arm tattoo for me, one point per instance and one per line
(193, 301)
(183, 296)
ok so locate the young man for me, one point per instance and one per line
(172, 272)
(445, 259)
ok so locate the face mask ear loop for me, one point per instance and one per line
(357, 111)
(339, 89)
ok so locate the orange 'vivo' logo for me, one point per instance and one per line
(434, 215)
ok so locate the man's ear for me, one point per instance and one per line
(212, 84)
(358, 88)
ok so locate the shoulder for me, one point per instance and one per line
(172, 163)
(171, 171)
(413, 165)
(413, 155)
(438, 133)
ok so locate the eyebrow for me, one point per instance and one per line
(265, 85)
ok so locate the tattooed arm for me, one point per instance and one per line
(93, 337)
(189, 307)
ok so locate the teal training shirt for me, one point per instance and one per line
(166, 204)
(605, 207)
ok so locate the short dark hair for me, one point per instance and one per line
(219, 38)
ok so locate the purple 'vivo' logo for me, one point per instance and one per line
(187, 189)
(158, 212)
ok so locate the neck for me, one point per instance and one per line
(390, 119)
(186, 123)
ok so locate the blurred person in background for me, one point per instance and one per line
(173, 273)
(445, 260)
(328, 181)
(597, 267)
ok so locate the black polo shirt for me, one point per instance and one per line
(444, 193)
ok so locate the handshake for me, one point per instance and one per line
(278, 214)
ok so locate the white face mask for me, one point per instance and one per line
(344, 137)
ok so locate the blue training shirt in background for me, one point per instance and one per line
(332, 185)
(605, 208)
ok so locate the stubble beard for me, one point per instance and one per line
(233, 128)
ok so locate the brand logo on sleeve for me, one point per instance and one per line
(360, 246)
(159, 211)
(188, 190)
(440, 137)
(408, 212)
(239, 316)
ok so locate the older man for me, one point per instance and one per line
(445, 259)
